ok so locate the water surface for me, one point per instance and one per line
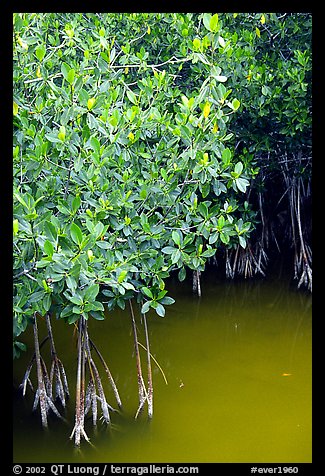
(238, 366)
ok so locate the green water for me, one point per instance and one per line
(238, 366)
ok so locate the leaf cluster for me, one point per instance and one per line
(125, 161)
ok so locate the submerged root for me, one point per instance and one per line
(57, 370)
(43, 396)
(79, 430)
(86, 400)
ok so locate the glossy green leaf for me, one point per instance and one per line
(145, 307)
(76, 233)
(160, 310)
(147, 292)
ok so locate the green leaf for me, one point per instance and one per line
(98, 230)
(214, 23)
(221, 79)
(52, 137)
(95, 144)
(167, 300)
(242, 241)
(206, 20)
(78, 164)
(40, 52)
(21, 200)
(66, 311)
(65, 68)
(20, 345)
(182, 274)
(226, 155)
(70, 76)
(94, 306)
(50, 231)
(242, 184)
(99, 316)
(48, 248)
(168, 250)
(76, 202)
(221, 42)
(76, 299)
(104, 245)
(160, 310)
(147, 292)
(221, 221)
(225, 238)
(203, 209)
(76, 233)
(145, 307)
(47, 301)
(238, 168)
(214, 237)
(208, 253)
(176, 255)
(132, 97)
(235, 104)
(73, 318)
(37, 296)
(71, 283)
(177, 237)
(91, 292)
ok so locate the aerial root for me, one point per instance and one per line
(26, 378)
(246, 262)
(57, 369)
(145, 393)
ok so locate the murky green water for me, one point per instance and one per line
(238, 365)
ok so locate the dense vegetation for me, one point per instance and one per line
(145, 145)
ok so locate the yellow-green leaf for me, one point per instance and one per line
(258, 33)
(206, 109)
(214, 22)
(263, 19)
(15, 108)
(91, 103)
(235, 104)
(196, 43)
(15, 227)
(22, 43)
(90, 255)
(61, 134)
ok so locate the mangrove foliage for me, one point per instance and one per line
(146, 145)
